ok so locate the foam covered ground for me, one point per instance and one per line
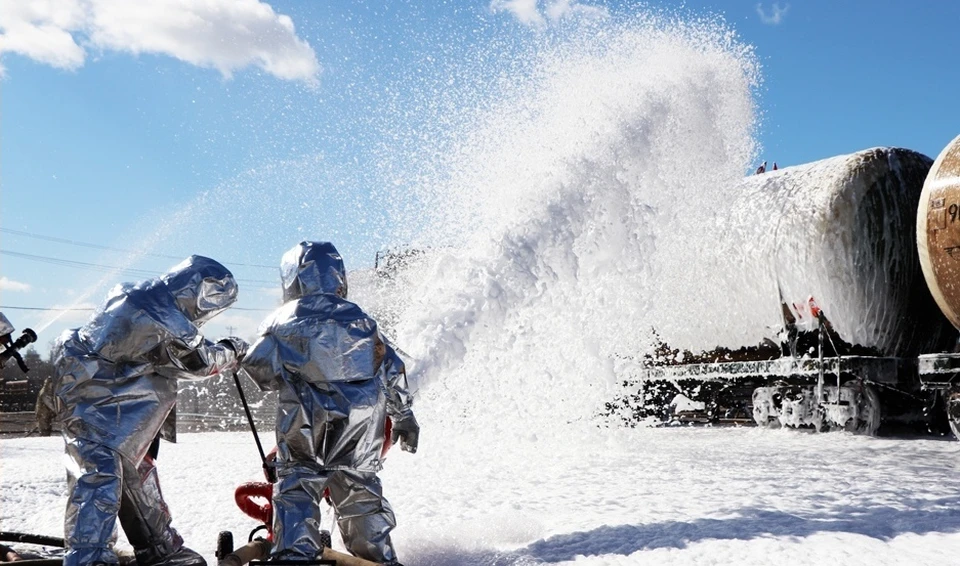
(646, 496)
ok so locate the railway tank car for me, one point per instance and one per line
(857, 316)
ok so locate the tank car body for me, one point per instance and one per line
(857, 313)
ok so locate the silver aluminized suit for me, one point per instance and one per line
(5, 326)
(116, 387)
(338, 379)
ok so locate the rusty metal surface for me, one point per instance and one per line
(938, 231)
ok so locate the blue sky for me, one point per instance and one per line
(116, 117)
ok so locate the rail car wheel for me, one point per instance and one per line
(798, 407)
(766, 406)
(953, 412)
(867, 417)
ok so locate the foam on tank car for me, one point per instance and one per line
(842, 232)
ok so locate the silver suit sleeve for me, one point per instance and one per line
(262, 363)
(398, 390)
(204, 360)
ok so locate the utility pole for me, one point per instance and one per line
(230, 330)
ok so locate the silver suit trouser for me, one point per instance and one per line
(103, 487)
(364, 517)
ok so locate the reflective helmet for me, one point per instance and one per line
(202, 287)
(312, 267)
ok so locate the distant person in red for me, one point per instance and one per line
(774, 165)
(762, 168)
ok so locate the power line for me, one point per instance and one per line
(260, 283)
(8, 307)
(79, 264)
(112, 249)
(56, 309)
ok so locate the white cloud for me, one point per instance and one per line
(776, 15)
(524, 10)
(225, 35)
(11, 285)
(529, 12)
(560, 9)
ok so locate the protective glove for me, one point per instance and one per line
(238, 345)
(407, 431)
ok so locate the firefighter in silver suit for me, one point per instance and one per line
(116, 390)
(338, 381)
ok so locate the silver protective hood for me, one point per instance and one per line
(202, 288)
(313, 267)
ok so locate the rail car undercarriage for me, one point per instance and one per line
(877, 245)
(854, 393)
